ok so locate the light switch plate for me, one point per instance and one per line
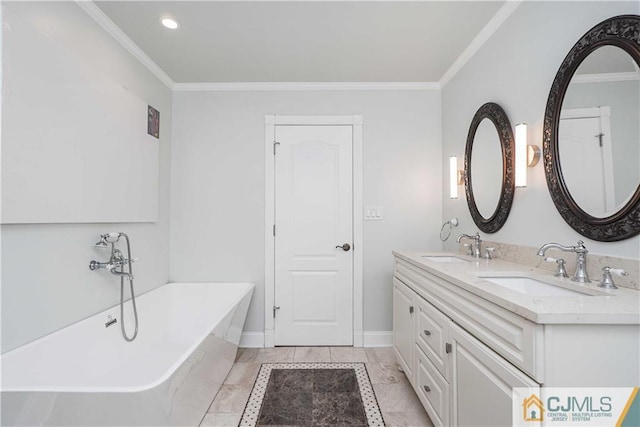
(373, 213)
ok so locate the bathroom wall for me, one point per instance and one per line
(516, 68)
(217, 215)
(46, 282)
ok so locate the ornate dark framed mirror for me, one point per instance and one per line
(489, 168)
(591, 137)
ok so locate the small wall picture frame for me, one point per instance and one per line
(153, 122)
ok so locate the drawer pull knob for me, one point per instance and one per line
(410, 309)
(447, 348)
(426, 388)
(427, 333)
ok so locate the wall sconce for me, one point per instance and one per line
(454, 177)
(526, 155)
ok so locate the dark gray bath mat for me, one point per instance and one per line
(312, 394)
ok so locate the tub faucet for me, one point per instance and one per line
(112, 267)
(475, 249)
(115, 272)
(116, 261)
(581, 252)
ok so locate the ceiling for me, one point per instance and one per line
(303, 41)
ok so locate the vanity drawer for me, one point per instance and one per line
(432, 336)
(432, 390)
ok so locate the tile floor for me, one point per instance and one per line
(397, 400)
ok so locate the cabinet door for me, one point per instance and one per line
(482, 382)
(403, 326)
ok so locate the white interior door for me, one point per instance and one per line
(586, 158)
(313, 217)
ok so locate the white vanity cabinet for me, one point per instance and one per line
(455, 376)
(463, 353)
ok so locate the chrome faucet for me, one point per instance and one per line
(476, 249)
(116, 265)
(581, 252)
(116, 260)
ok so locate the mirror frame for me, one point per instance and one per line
(620, 31)
(498, 117)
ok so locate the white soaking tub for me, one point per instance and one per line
(87, 374)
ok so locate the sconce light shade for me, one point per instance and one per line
(453, 177)
(521, 155)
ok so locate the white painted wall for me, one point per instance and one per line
(515, 68)
(46, 282)
(217, 184)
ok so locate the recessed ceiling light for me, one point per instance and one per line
(170, 23)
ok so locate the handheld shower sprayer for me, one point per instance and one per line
(107, 238)
(116, 265)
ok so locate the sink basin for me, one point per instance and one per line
(528, 286)
(443, 258)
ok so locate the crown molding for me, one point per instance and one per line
(492, 26)
(605, 77)
(303, 86)
(110, 27)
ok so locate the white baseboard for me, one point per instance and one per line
(369, 339)
(378, 338)
(252, 340)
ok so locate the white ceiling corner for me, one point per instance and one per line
(110, 27)
(492, 26)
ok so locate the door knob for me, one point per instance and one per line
(344, 247)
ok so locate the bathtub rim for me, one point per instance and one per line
(129, 389)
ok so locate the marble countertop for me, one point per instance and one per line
(592, 306)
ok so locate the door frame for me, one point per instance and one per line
(270, 122)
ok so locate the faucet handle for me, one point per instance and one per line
(618, 271)
(487, 252)
(469, 246)
(95, 265)
(607, 280)
(561, 271)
